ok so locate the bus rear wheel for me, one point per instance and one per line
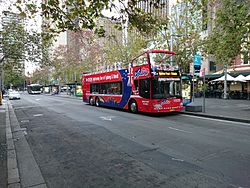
(133, 107)
(97, 102)
(91, 101)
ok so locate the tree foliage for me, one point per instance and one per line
(68, 61)
(76, 15)
(184, 29)
(18, 46)
(230, 34)
(116, 52)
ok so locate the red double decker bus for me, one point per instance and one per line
(152, 84)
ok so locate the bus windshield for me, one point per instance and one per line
(35, 88)
(164, 88)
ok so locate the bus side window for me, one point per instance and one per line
(136, 86)
(145, 88)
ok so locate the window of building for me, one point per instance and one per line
(212, 66)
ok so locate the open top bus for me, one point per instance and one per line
(152, 83)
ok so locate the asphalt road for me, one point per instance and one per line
(77, 145)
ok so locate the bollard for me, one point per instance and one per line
(1, 98)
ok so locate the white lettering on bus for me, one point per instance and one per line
(103, 78)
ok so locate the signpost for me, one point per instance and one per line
(197, 64)
(202, 74)
(196, 69)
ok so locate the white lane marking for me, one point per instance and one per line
(38, 99)
(21, 107)
(37, 115)
(107, 118)
(221, 120)
(25, 121)
(175, 159)
(172, 128)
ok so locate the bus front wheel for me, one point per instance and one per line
(133, 106)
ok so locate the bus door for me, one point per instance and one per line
(186, 90)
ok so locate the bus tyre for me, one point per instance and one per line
(91, 101)
(133, 106)
(97, 102)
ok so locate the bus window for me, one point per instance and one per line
(136, 86)
(163, 88)
(144, 88)
(114, 88)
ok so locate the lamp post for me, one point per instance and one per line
(1, 78)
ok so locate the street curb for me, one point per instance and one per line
(29, 174)
(13, 179)
(217, 117)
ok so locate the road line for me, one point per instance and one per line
(108, 118)
(37, 115)
(172, 128)
(175, 159)
(220, 120)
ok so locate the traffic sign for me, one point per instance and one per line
(197, 63)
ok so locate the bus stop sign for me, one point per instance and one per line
(197, 63)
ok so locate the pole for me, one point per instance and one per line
(171, 48)
(75, 84)
(225, 82)
(124, 23)
(2, 78)
(193, 86)
(204, 91)
(1, 81)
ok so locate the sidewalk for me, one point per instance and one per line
(3, 147)
(231, 109)
(19, 168)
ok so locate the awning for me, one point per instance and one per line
(229, 78)
(240, 78)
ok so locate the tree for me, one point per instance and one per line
(230, 35)
(41, 76)
(183, 34)
(115, 51)
(76, 15)
(19, 45)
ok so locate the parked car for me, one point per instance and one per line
(14, 95)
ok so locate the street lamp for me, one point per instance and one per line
(1, 78)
